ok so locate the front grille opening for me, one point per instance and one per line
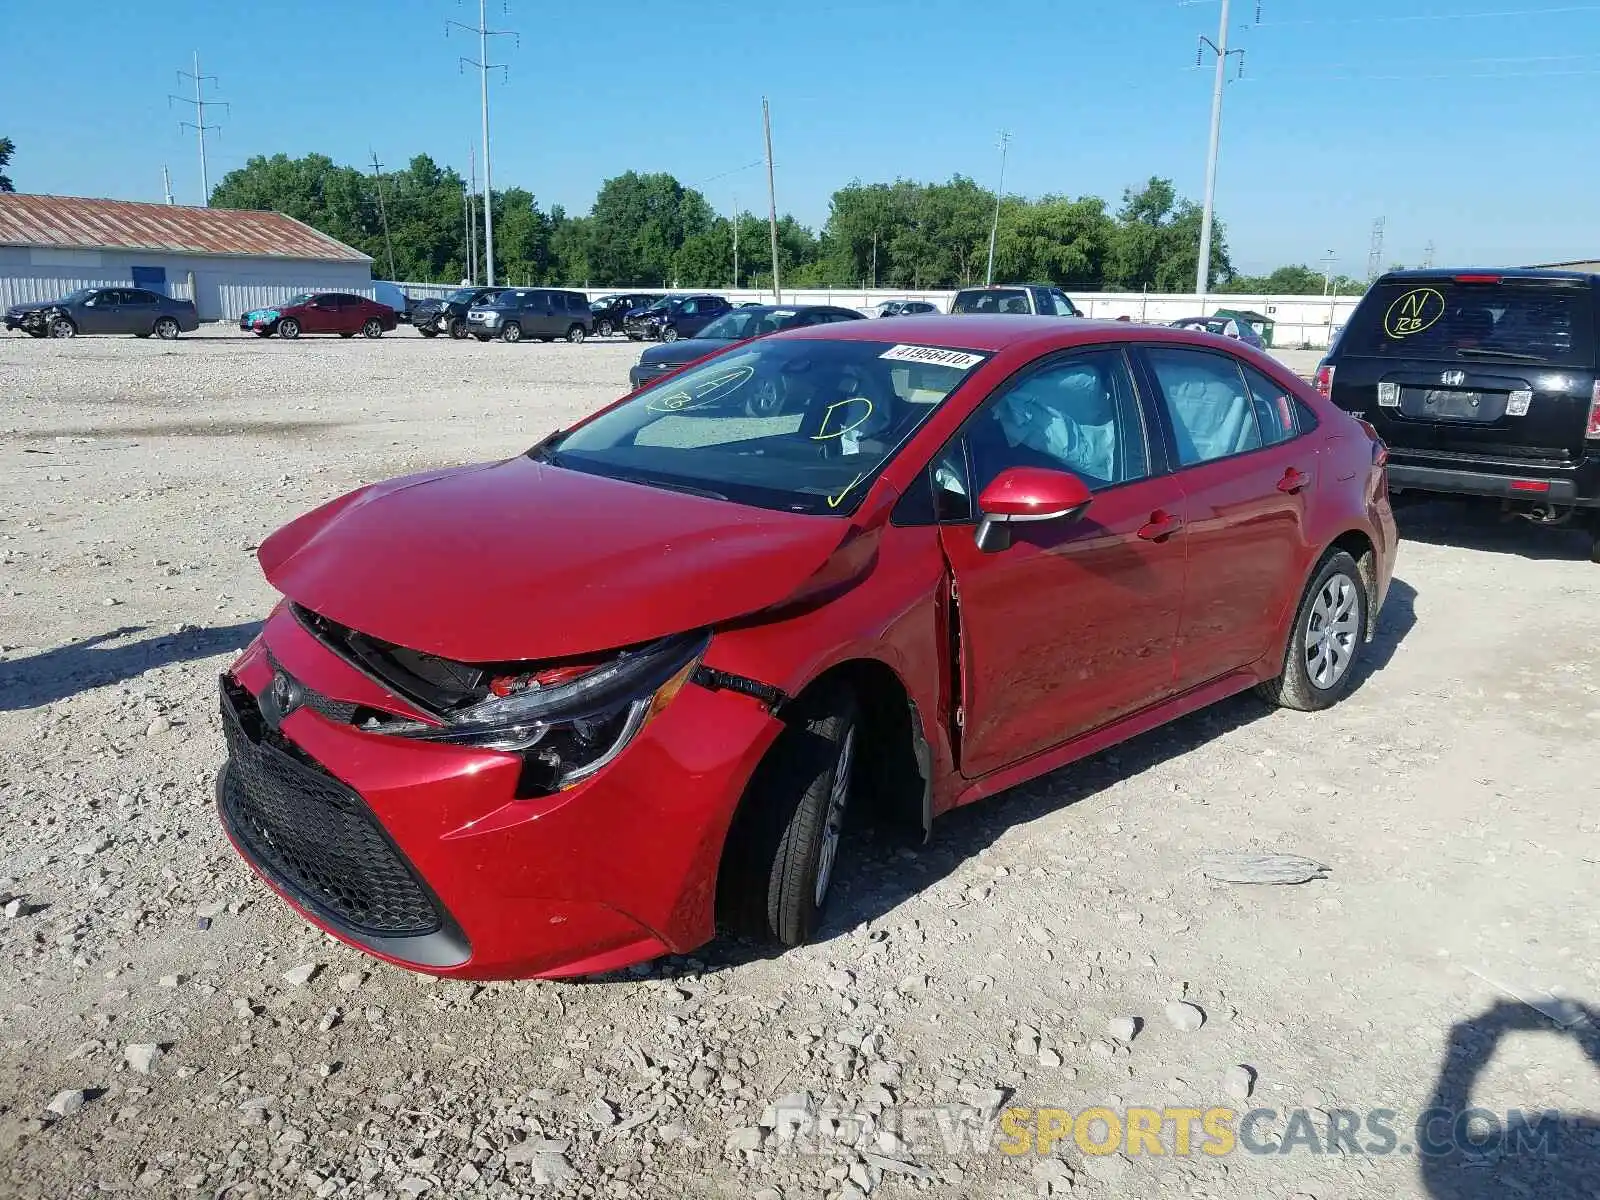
(313, 836)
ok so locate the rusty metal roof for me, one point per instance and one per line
(75, 223)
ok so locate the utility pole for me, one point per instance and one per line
(484, 67)
(994, 229)
(772, 202)
(1328, 260)
(199, 123)
(1220, 49)
(383, 212)
(1375, 251)
(736, 241)
(472, 215)
(166, 183)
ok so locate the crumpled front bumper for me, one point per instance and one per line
(615, 870)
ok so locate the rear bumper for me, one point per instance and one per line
(1579, 486)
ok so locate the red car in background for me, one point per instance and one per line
(562, 713)
(321, 312)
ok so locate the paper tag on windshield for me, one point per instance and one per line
(934, 355)
(849, 442)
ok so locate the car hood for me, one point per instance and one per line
(683, 350)
(520, 560)
(635, 314)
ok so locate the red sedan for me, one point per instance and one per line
(567, 712)
(321, 312)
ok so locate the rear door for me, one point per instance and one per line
(1473, 367)
(1247, 478)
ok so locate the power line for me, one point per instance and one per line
(199, 123)
(484, 67)
(1412, 17)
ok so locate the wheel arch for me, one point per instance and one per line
(1358, 544)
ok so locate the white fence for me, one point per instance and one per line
(1309, 321)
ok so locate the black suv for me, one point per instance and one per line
(543, 313)
(673, 317)
(434, 316)
(1483, 383)
(611, 311)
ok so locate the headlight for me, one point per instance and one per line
(569, 721)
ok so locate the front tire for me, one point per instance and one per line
(458, 328)
(1330, 628)
(604, 329)
(62, 327)
(576, 334)
(167, 329)
(373, 328)
(669, 333)
(783, 848)
(288, 329)
(511, 332)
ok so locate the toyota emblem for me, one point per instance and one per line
(282, 697)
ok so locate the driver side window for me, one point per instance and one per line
(1079, 414)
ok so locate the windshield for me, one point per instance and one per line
(297, 298)
(1442, 319)
(798, 425)
(462, 296)
(80, 294)
(748, 323)
(991, 300)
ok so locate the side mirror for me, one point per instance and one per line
(1021, 495)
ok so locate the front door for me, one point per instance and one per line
(1248, 476)
(98, 313)
(1074, 624)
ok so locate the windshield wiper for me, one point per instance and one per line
(687, 488)
(1477, 352)
(544, 450)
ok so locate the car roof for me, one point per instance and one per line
(992, 333)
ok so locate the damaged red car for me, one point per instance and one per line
(563, 713)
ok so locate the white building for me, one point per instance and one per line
(226, 260)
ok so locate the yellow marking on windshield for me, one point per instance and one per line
(825, 435)
(1413, 312)
(835, 501)
(707, 393)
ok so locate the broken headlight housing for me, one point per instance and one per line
(569, 721)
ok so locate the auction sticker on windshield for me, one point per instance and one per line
(935, 355)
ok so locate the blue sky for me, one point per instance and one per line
(1470, 131)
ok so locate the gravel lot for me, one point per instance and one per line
(195, 1038)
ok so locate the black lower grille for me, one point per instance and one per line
(313, 836)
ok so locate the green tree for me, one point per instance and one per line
(7, 149)
(1156, 241)
(639, 223)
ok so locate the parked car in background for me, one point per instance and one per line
(321, 312)
(746, 321)
(569, 711)
(609, 312)
(395, 297)
(1222, 327)
(674, 317)
(105, 310)
(433, 316)
(1484, 383)
(542, 313)
(1015, 299)
(906, 308)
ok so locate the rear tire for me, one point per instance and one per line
(373, 328)
(782, 850)
(1330, 629)
(166, 329)
(576, 334)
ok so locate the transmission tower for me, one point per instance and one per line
(1375, 251)
(199, 125)
(1427, 256)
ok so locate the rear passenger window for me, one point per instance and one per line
(1274, 405)
(1213, 415)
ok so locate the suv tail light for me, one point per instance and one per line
(1324, 381)
(1592, 429)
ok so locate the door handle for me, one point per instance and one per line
(1294, 480)
(1160, 526)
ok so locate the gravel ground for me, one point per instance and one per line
(168, 1028)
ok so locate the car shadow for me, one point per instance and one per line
(55, 674)
(1469, 524)
(1466, 1152)
(1397, 619)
